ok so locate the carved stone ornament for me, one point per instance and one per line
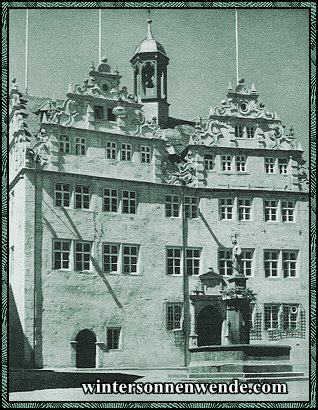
(181, 172)
(278, 136)
(39, 148)
(147, 127)
(207, 134)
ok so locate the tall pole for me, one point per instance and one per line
(99, 35)
(186, 312)
(26, 50)
(236, 49)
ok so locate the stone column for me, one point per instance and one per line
(193, 342)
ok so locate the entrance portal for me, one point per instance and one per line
(85, 349)
(209, 326)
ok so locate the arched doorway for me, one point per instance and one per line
(85, 349)
(209, 326)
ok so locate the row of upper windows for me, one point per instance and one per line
(124, 153)
(126, 201)
(239, 164)
(228, 163)
(124, 258)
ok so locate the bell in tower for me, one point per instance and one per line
(150, 78)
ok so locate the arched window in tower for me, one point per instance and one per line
(147, 73)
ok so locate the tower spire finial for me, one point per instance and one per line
(149, 21)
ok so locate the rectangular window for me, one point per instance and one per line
(81, 197)
(99, 112)
(172, 205)
(191, 207)
(288, 211)
(173, 261)
(125, 152)
(269, 165)
(173, 315)
(82, 256)
(226, 163)
(240, 163)
(271, 263)
(130, 258)
(111, 150)
(145, 155)
(110, 258)
(226, 208)
(283, 165)
(64, 144)
(290, 314)
(80, 146)
(271, 316)
(61, 254)
(238, 131)
(113, 338)
(193, 261)
(225, 262)
(245, 209)
(110, 115)
(250, 131)
(209, 163)
(271, 211)
(247, 262)
(62, 195)
(110, 200)
(129, 202)
(289, 264)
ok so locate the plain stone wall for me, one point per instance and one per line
(73, 301)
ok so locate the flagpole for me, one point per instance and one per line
(236, 43)
(99, 35)
(26, 50)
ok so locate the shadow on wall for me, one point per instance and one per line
(20, 380)
(21, 354)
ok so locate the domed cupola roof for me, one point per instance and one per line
(149, 44)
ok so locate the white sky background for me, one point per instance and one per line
(273, 54)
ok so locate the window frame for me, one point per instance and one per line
(173, 319)
(61, 251)
(191, 207)
(111, 254)
(172, 207)
(130, 256)
(174, 258)
(270, 260)
(64, 141)
(126, 152)
(145, 154)
(83, 196)
(119, 341)
(269, 210)
(62, 192)
(129, 202)
(227, 268)
(83, 253)
(111, 198)
(111, 150)
(80, 146)
(242, 209)
(223, 209)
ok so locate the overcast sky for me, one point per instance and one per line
(273, 54)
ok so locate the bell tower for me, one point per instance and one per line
(150, 78)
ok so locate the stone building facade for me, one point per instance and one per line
(112, 201)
